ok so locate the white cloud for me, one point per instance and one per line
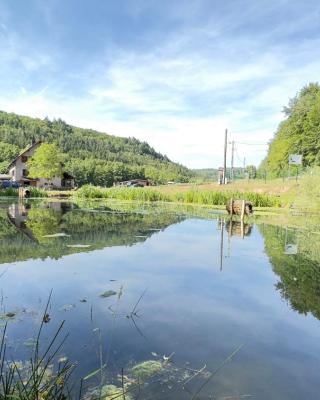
(180, 96)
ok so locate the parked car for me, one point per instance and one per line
(9, 184)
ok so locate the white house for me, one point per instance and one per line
(18, 172)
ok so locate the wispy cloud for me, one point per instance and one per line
(192, 74)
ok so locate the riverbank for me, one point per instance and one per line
(193, 196)
(301, 195)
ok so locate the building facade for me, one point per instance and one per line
(18, 172)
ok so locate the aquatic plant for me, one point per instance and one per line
(12, 192)
(146, 369)
(36, 378)
(205, 197)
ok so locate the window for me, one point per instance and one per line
(24, 173)
(24, 159)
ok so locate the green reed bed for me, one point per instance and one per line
(189, 197)
(12, 192)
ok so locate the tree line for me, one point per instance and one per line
(91, 156)
(299, 133)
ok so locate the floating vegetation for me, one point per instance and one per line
(9, 316)
(56, 235)
(46, 318)
(146, 369)
(67, 307)
(79, 246)
(113, 392)
(30, 343)
(108, 293)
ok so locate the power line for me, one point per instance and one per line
(254, 144)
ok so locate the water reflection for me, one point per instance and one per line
(190, 308)
(233, 228)
(299, 271)
(53, 229)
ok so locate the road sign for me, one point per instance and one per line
(295, 159)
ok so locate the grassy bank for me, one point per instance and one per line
(194, 196)
(11, 192)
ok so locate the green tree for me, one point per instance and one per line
(46, 162)
(252, 171)
(7, 153)
(299, 133)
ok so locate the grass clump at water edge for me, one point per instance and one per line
(189, 197)
(12, 192)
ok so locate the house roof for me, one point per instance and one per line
(30, 147)
(4, 177)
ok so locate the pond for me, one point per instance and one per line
(214, 309)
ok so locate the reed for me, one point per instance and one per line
(35, 379)
(12, 192)
(207, 197)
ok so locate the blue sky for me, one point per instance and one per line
(173, 73)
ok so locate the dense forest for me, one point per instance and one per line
(92, 157)
(26, 237)
(299, 133)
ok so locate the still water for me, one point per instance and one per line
(191, 292)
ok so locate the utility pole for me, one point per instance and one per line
(232, 157)
(225, 157)
(244, 166)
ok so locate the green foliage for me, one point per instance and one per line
(251, 170)
(46, 162)
(7, 153)
(211, 174)
(107, 227)
(93, 157)
(299, 133)
(299, 273)
(308, 193)
(140, 194)
(11, 192)
(205, 197)
(8, 192)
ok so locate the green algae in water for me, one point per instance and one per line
(108, 293)
(146, 369)
(113, 392)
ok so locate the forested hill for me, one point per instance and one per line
(93, 157)
(299, 133)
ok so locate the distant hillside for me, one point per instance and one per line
(299, 133)
(94, 157)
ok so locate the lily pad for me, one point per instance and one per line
(108, 293)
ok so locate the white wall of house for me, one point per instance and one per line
(47, 183)
(17, 170)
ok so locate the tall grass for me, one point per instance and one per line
(308, 192)
(207, 197)
(12, 192)
(35, 379)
